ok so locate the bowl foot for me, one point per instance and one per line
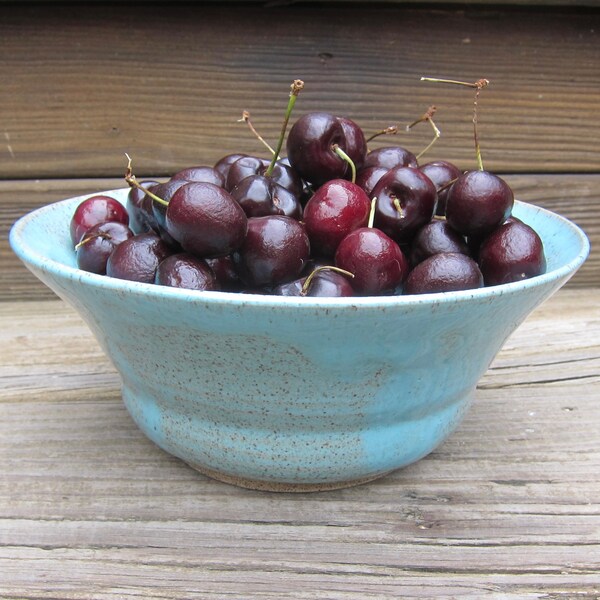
(276, 486)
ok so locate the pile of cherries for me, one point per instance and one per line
(332, 219)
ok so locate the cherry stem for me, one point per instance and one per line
(399, 208)
(478, 85)
(344, 156)
(427, 117)
(297, 86)
(246, 119)
(308, 281)
(391, 130)
(372, 213)
(133, 182)
(89, 238)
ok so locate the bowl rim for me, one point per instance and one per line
(33, 258)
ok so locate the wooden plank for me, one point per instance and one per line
(507, 507)
(574, 196)
(84, 83)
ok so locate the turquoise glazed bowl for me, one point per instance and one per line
(287, 393)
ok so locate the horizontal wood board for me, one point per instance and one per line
(508, 507)
(83, 83)
(575, 197)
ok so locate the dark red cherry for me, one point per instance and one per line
(244, 167)
(442, 173)
(512, 252)
(137, 258)
(201, 174)
(405, 202)
(436, 237)
(138, 218)
(164, 191)
(224, 163)
(97, 244)
(205, 220)
(336, 208)
(186, 271)
(310, 147)
(355, 142)
(377, 262)
(478, 202)
(275, 250)
(247, 166)
(260, 196)
(368, 177)
(95, 210)
(324, 284)
(224, 269)
(390, 157)
(445, 272)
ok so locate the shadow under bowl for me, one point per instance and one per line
(294, 394)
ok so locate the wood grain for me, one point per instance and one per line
(575, 197)
(85, 82)
(506, 508)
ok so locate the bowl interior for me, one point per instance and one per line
(41, 239)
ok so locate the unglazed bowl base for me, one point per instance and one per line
(276, 486)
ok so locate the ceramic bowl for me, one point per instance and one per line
(287, 393)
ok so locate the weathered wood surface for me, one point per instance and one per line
(508, 507)
(574, 196)
(83, 83)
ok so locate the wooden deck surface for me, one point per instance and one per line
(508, 507)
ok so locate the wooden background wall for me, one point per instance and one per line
(82, 84)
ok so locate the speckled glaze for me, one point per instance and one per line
(294, 394)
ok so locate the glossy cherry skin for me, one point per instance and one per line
(390, 157)
(336, 208)
(377, 262)
(137, 258)
(442, 173)
(434, 238)
(139, 222)
(355, 142)
(324, 284)
(310, 147)
(97, 244)
(186, 271)
(95, 210)
(155, 212)
(444, 272)
(260, 196)
(416, 195)
(224, 269)
(368, 177)
(201, 174)
(478, 202)
(165, 192)
(224, 163)
(512, 252)
(275, 250)
(206, 220)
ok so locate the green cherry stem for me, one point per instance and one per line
(478, 85)
(344, 156)
(246, 119)
(308, 281)
(371, 221)
(391, 130)
(427, 117)
(297, 86)
(87, 239)
(132, 182)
